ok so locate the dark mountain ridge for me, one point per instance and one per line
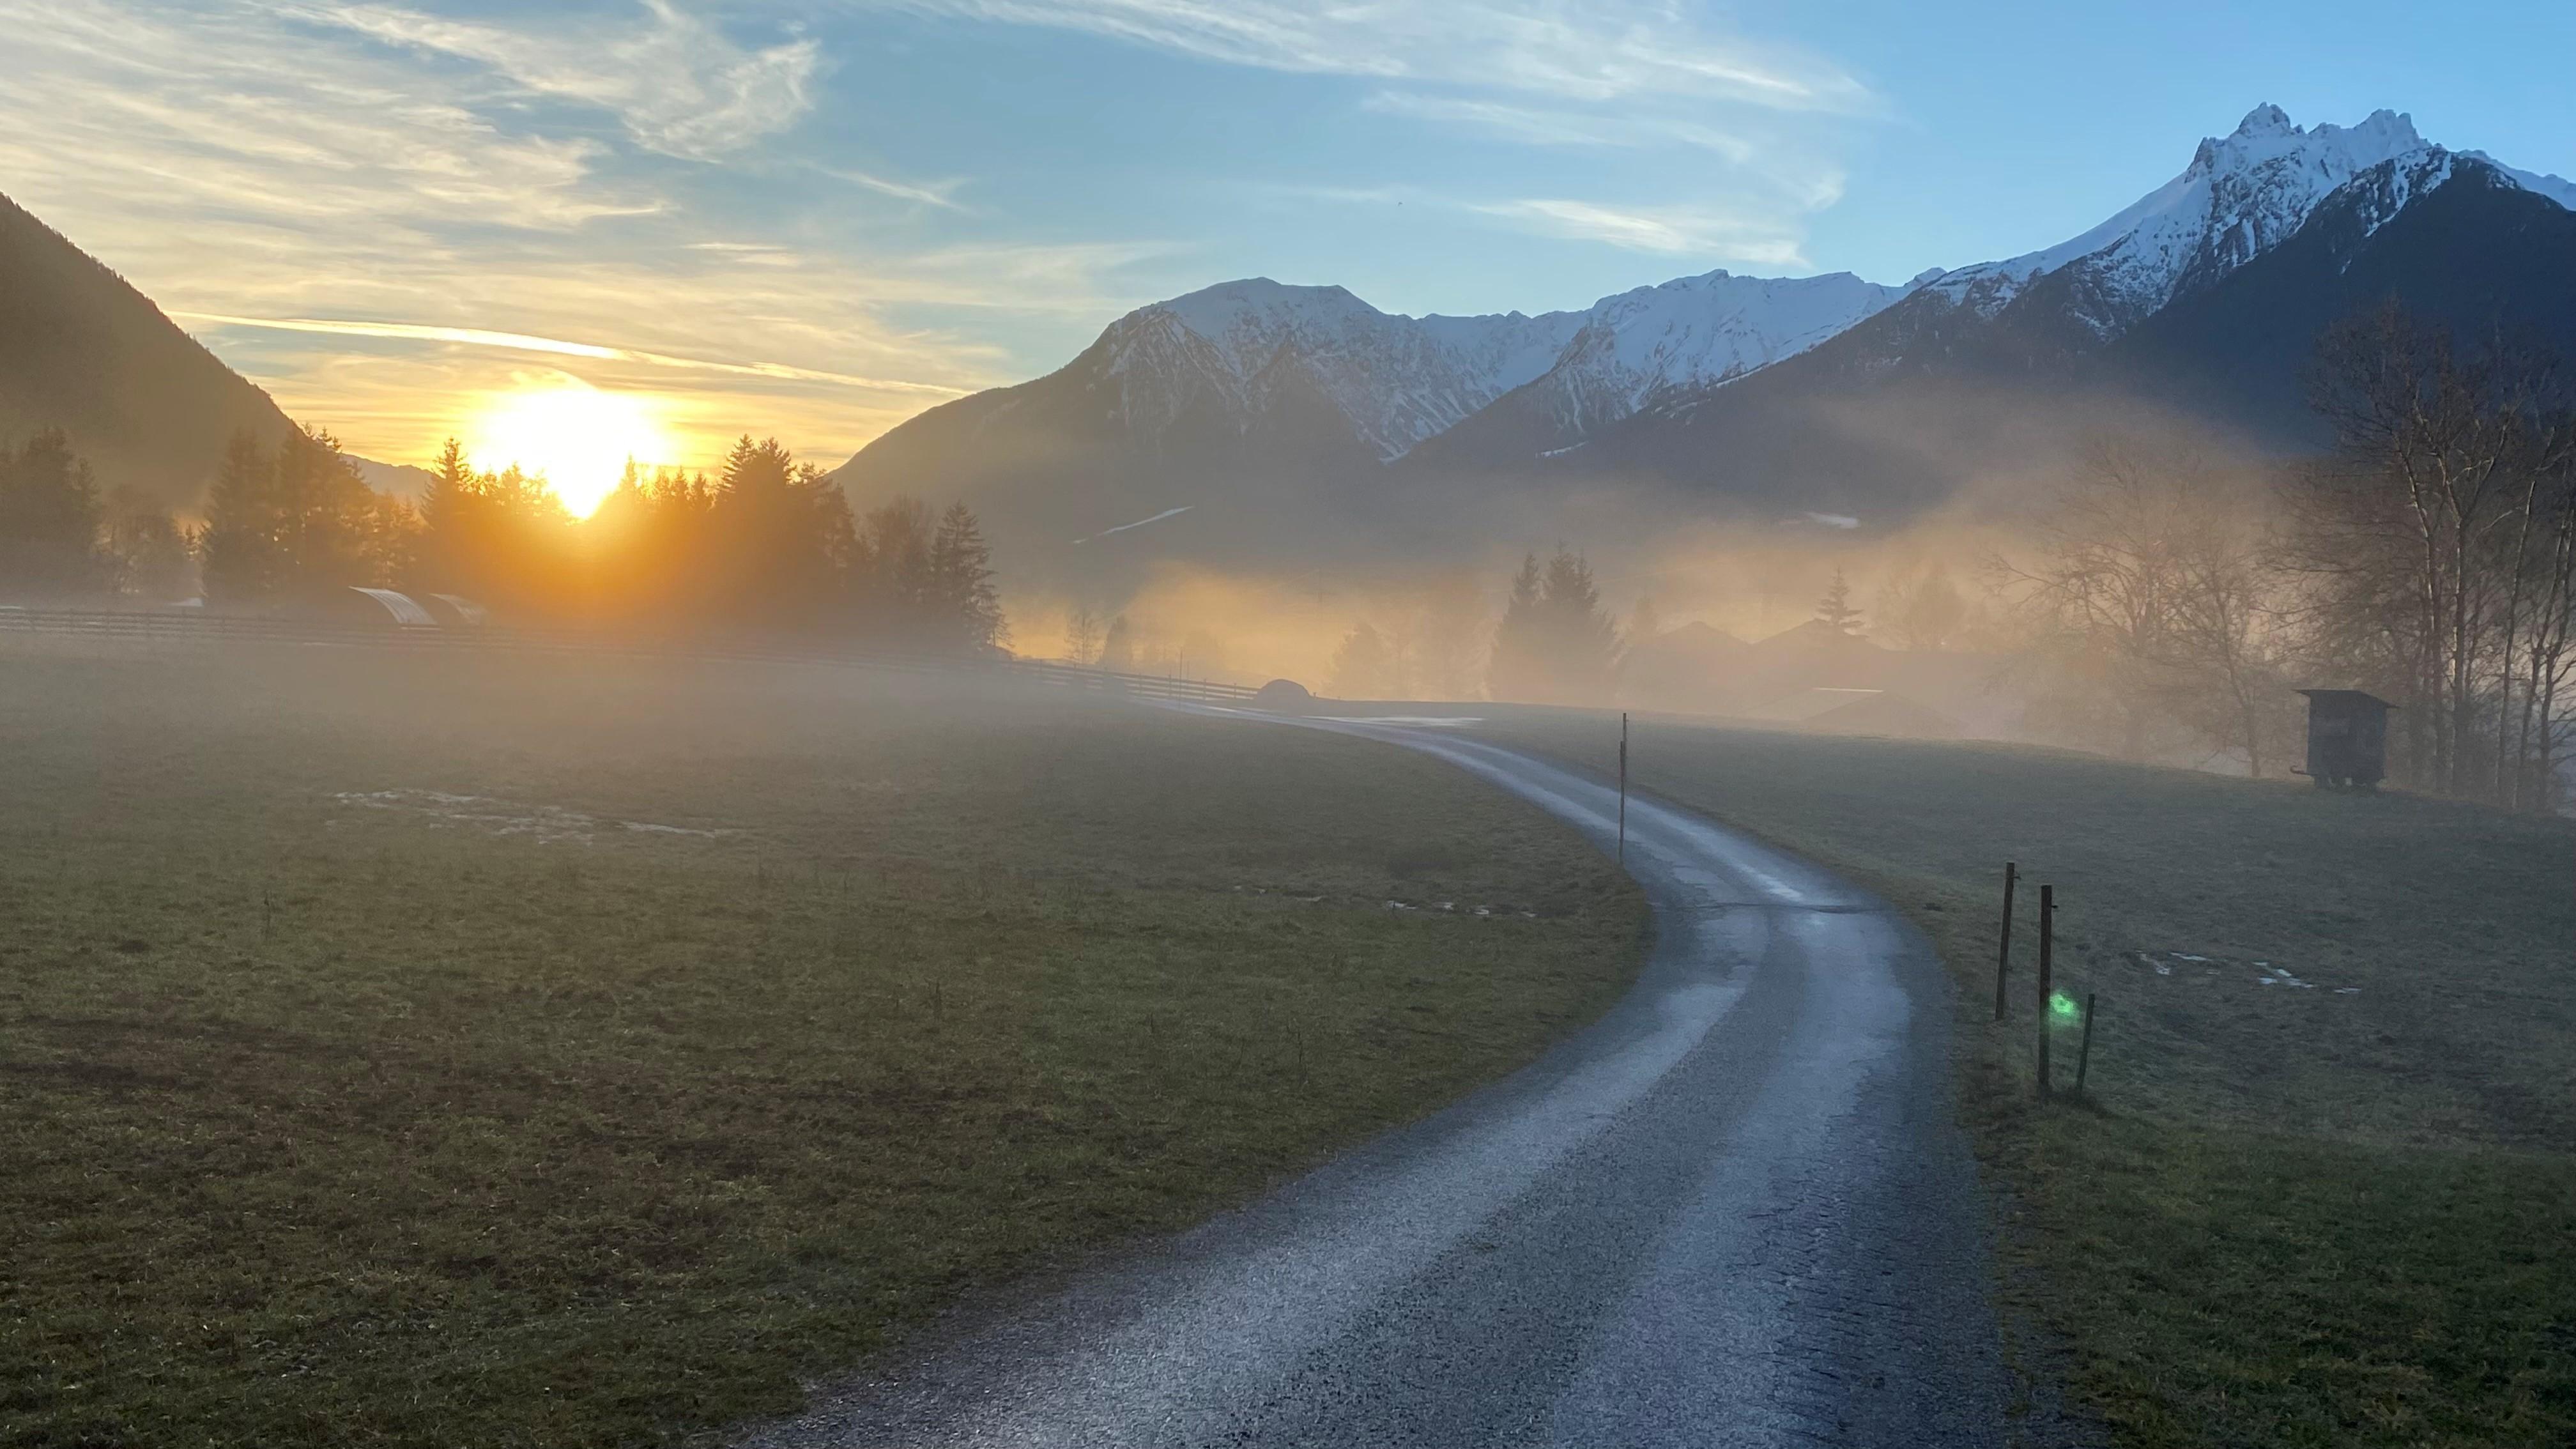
(82, 350)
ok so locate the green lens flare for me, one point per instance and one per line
(2062, 1006)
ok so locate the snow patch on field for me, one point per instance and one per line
(2217, 968)
(547, 824)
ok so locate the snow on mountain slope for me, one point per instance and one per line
(2540, 183)
(1397, 379)
(1695, 332)
(1403, 379)
(2243, 194)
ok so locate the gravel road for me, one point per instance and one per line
(1734, 1211)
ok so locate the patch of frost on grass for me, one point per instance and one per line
(548, 824)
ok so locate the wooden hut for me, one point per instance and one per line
(2347, 738)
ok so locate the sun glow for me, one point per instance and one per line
(576, 435)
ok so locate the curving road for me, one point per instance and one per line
(1734, 1211)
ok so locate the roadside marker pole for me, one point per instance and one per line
(2003, 953)
(1623, 787)
(2047, 941)
(2084, 1053)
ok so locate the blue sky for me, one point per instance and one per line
(816, 219)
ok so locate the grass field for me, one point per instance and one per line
(2337, 1209)
(456, 1051)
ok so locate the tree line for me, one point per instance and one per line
(61, 537)
(2428, 556)
(766, 542)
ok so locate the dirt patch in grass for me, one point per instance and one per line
(2323, 1188)
(331, 1124)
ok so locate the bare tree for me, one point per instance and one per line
(2149, 585)
(1921, 610)
(1082, 637)
(2433, 541)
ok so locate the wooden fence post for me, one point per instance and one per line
(1623, 788)
(2084, 1053)
(2047, 943)
(2003, 952)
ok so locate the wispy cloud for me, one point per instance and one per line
(1599, 51)
(522, 342)
(1762, 231)
(678, 84)
(298, 170)
(1757, 239)
(1635, 75)
(930, 193)
(1558, 126)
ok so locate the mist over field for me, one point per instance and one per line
(1542, 723)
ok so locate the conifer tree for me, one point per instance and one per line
(49, 519)
(244, 553)
(1519, 666)
(1364, 667)
(1118, 650)
(1555, 643)
(967, 609)
(1835, 610)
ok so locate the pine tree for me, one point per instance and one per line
(1364, 667)
(1519, 666)
(1645, 621)
(49, 519)
(967, 608)
(1583, 645)
(893, 567)
(146, 551)
(1118, 650)
(244, 555)
(1555, 643)
(1835, 610)
(781, 535)
(448, 537)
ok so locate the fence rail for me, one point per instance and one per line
(197, 628)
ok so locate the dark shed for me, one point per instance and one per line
(2347, 737)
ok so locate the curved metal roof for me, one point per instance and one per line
(405, 609)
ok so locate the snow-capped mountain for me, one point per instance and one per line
(1396, 379)
(1640, 348)
(2242, 195)
(2204, 301)
(1400, 380)
(1289, 405)
(1691, 333)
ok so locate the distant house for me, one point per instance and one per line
(1693, 669)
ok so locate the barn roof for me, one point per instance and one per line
(2347, 697)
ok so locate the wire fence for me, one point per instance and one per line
(197, 629)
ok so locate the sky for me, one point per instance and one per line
(813, 220)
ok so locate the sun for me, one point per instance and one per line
(576, 435)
